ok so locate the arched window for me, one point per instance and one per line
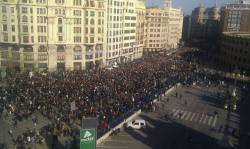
(59, 20)
(24, 19)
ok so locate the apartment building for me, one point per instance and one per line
(163, 27)
(121, 33)
(236, 17)
(140, 29)
(52, 34)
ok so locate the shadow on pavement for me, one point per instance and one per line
(173, 136)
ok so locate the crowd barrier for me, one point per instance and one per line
(106, 135)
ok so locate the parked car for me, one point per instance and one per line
(136, 124)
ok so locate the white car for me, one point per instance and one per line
(136, 124)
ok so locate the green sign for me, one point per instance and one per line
(88, 139)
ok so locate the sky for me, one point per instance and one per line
(188, 5)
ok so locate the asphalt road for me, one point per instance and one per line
(197, 127)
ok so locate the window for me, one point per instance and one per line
(77, 21)
(60, 38)
(25, 28)
(4, 18)
(24, 19)
(25, 39)
(92, 21)
(60, 29)
(77, 30)
(77, 2)
(13, 28)
(77, 13)
(12, 9)
(24, 10)
(4, 9)
(59, 20)
(59, 1)
(5, 37)
(92, 4)
(77, 39)
(92, 30)
(5, 28)
(92, 40)
(92, 13)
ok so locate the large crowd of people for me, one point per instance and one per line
(64, 98)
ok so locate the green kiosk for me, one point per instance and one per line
(88, 133)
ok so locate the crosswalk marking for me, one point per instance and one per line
(183, 114)
(188, 115)
(176, 112)
(205, 119)
(201, 118)
(196, 118)
(210, 120)
(215, 120)
(192, 117)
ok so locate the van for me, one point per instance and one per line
(136, 124)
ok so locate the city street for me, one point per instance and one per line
(191, 123)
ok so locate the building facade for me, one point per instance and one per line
(186, 31)
(205, 25)
(235, 52)
(52, 34)
(140, 29)
(163, 27)
(236, 17)
(121, 30)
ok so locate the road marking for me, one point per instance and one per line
(205, 119)
(189, 114)
(105, 146)
(122, 141)
(183, 114)
(196, 117)
(176, 112)
(215, 120)
(180, 113)
(192, 117)
(210, 120)
(202, 116)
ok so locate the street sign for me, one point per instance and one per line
(88, 138)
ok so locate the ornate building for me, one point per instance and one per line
(52, 34)
(164, 27)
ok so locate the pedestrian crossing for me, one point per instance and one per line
(201, 118)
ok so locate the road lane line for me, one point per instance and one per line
(115, 147)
